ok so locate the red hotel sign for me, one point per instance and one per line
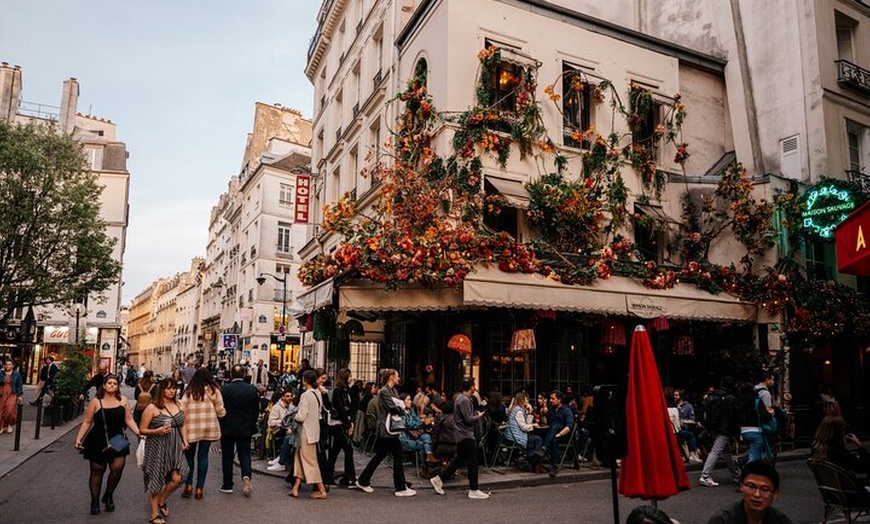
(303, 197)
(853, 237)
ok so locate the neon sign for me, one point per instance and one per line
(826, 206)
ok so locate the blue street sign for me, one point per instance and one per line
(231, 341)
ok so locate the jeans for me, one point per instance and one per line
(340, 442)
(384, 447)
(684, 435)
(200, 450)
(551, 443)
(466, 453)
(758, 447)
(286, 450)
(423, 446)
(230, 446)
(721, 448)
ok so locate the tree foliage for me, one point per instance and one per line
(53, 244)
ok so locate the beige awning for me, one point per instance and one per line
(616, 295)
(316, 297)
(512, 191)
(367, 296)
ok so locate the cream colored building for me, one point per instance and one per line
(99, 323)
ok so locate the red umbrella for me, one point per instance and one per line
(652, 467)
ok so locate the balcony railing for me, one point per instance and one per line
(862, 179)
(355, 109)
(377, 79)
(853, 76)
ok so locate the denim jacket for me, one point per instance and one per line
(17, 381)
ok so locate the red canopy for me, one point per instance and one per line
(853, 257)
(652, 467)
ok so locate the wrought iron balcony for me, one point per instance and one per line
(862, 179)
(377, 79)
(853, 76)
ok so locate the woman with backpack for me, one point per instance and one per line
(143, 394)
(341, 428)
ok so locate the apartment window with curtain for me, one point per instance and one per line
(284, 246)
(502, 86)
(576, 109)
(285, 195)
(858, 147)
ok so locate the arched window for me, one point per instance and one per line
(421, 71)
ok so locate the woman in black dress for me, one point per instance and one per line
(105, 417)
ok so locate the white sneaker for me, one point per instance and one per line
(277, 467)
(367, 489)
(477, 494)
(695, 460)
(708, 481)
(407, 492)
(438, 484)
(274, 461)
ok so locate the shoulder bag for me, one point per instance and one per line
(115, 445)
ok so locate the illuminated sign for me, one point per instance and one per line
(826, 206)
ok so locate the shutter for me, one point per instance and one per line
(789, 157)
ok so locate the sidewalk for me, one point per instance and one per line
(510, 478)
(9, 459)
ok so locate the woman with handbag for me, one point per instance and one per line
(305, 464)
(203, 405)
(164, 466)
(11, 393)
(390, 426)
(101, 440)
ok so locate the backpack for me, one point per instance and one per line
(719, 411)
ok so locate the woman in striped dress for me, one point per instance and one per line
(203, 405)
(164, 466)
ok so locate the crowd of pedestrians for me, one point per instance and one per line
(310, 421)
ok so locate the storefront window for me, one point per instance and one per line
(364, 360)
(509, 371)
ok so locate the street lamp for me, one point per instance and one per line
(282, 332)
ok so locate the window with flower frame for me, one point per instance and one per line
(576, 106)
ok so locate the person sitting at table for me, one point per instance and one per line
(415, 437)
(520, 430)
(444, 433)
(830, 445)
(561, 421)
(541, 409)
(684, 436)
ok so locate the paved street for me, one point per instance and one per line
(52, 488)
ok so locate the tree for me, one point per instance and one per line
(53, 243)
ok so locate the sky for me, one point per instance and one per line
(179, 79)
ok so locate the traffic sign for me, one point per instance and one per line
(231, 341)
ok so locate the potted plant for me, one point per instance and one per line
(71, 376)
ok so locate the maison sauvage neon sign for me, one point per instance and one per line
(826, 207)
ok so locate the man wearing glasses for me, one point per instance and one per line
(759, 485)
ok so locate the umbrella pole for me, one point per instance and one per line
(614, 492)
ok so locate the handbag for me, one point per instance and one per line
(115, 445)
(395, 424)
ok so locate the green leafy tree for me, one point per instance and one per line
(53, 243)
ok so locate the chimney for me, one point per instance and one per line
(10, 90)
(66, 120)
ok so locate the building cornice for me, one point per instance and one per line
(325, 29)
(584, 21)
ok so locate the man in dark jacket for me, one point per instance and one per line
(240, 423)
(720, 418)
(465, 418)
(759, 486)
(46, 376)
(96, 381)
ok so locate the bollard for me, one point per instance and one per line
(18, 428)
(53, 416)
(38, 419)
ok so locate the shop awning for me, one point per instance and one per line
(316, 297)
(512, 191)
(852, 236)
(616, 295)
(489, 287)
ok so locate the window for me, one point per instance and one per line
(858, 144)
(502, 83)
(576, 109)
(816, 253)
(845, 28)
(569, 358)
(284, 238)
(285, 195)
(364, 360)
(283, 269)
(508, 370)
(649, 116)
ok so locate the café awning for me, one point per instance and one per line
(490, 287)
(851, 236)
(316, 297)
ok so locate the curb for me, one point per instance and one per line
(74, 424)
(566, 475)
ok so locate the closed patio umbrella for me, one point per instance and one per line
(652, 468)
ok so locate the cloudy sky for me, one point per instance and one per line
(180, 79)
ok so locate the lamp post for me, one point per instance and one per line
(282, 333)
